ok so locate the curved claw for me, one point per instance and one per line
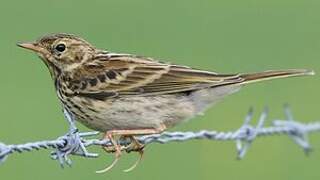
(136, 163)
(115, 148)
(109, 167)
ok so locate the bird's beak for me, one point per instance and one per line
(31, 46)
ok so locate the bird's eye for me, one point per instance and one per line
(61, 47)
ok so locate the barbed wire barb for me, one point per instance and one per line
(250, 132)
(75, 143)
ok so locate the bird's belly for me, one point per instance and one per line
(133, 112)
(141, 112)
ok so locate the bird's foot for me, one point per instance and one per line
(135, 146)
(114, 148)
(132, 145)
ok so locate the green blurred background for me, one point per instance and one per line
(222, 35)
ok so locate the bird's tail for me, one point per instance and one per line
(274, 74)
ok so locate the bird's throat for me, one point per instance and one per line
(54, 70)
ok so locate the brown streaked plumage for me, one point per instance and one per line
(127, 95)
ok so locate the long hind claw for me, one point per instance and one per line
(115, 161)
(136, 163)
(116, 148)
(135, 146)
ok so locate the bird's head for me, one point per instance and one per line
(62, 51)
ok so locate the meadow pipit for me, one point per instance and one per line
(124, 95)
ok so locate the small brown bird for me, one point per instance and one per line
(125, 95)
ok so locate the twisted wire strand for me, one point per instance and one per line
(75, 143)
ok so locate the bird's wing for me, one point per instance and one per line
(119, 75)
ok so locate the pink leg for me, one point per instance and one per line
(134, 146)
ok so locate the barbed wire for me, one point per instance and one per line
(75, 143)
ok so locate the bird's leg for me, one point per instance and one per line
(116, 148)
(135, 145)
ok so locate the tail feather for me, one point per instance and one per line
(274, 74)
